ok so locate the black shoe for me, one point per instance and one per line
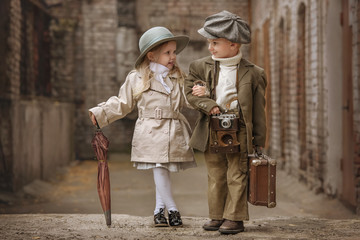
(160, 219)
(175, 218)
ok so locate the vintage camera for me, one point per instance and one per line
(224, 129)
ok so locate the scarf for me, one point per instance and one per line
(160, 73)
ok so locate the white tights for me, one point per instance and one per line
(164, 198)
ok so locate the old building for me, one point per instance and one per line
(64, 56)
(36, 99)
(310, 50)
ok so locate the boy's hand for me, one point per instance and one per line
(258, 151)
(215, 110)
(198, 90)
(93, 119)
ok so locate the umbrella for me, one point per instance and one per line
(100, 144)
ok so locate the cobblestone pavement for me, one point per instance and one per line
(67, 207)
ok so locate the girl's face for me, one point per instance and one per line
(223, 48)
(165, 55)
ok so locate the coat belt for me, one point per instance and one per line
(159, 113)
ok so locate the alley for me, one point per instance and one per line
(73, 190)
(62, 58)
(68, 207)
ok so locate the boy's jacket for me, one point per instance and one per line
(250, 92)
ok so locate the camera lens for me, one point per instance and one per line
(226, 123)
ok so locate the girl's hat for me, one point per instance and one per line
(156, 36)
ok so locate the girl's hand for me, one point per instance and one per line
(198, 90)
(215, 110)
(93, 119)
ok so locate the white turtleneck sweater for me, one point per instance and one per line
(226, 91)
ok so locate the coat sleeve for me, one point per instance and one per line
(204, 103)
(259, 117)
(116, 107)
(184, 99)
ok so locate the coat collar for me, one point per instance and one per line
(157, 86)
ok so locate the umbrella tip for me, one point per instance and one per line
(108, 218)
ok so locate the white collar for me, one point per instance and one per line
(160, 72)
(229, 61)
(159, 69)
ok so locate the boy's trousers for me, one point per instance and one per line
(227, 186)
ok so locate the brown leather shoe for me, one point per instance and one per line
(212, 225)
(231, 227)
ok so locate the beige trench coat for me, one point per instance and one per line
(161, 132)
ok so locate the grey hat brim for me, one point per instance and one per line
(181, 42)
(206, 34)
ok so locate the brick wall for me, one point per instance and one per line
(186, 17)
(104, 46)
(11, 22)
(36, 127)
(99, 27)
(14, 39)
(5, 140)
(311, 129)
(4, 31)
(355, 16)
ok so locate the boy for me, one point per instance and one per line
(227, 83)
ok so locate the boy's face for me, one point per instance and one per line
(223, 48)
(165, 55)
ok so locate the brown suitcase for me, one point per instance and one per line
(262, 181)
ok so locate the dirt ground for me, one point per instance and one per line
(91, 226)
(67, 207)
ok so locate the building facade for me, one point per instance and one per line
(310, 51)
(37, 110)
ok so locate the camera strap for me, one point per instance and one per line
(216, 78)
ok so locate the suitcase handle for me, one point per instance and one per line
(263, 159)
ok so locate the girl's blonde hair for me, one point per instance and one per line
(147, 74)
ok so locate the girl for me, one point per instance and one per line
(162, 133)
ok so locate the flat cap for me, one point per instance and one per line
(226, 25)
